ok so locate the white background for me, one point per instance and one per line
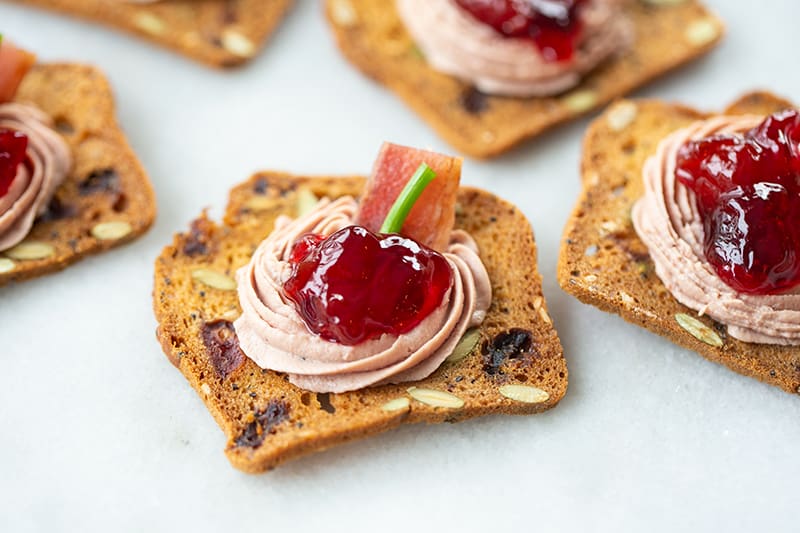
(98, 432)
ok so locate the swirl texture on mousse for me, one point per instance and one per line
(274, 336)
(667, 220)
(456, 43)
(48, 162)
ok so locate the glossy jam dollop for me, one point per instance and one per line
(553, 25)
(747, 189)
(13, 146)
(355, 285)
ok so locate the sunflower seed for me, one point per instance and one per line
(701, 32)
(6, 265)
(260, 203)
(149, 23)
(580, 101)
(436, 398)
(544, 316)
(465, 346)
(31, 250)
(626, 298)
(621, 115)
(396, 405)
(699, 330)
(237, 44)
(306, 201)
(231, 314)
(213, 279)
(110, 231)
(343, 14)
(524, 393)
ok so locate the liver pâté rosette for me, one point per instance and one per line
(340, 299)
(721, 197)
(34, 158)
(512, 48)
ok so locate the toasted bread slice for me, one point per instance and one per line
(603, 262)
(220, 33)
(372, 36)
(106, 201)
(265, 418)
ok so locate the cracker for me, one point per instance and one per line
(603, 262)
(220, 33)
(265, 418)
(372, 36)
(106, 201)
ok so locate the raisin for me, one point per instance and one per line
(57, 211)
(223, 348)
(103, 180)
(474, 101)
(197, 242)
(266, 420)
(510, 344)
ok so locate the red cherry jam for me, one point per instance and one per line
(552, 25)
(13, 146)
(747, 190)
(355, 285)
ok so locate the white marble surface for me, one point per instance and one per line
(100, 433)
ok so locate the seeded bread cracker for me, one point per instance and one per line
(603, 262)
(220, 33)
(106, 201)
(513, 364)
(372, 36)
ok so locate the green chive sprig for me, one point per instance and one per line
(408, 197)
